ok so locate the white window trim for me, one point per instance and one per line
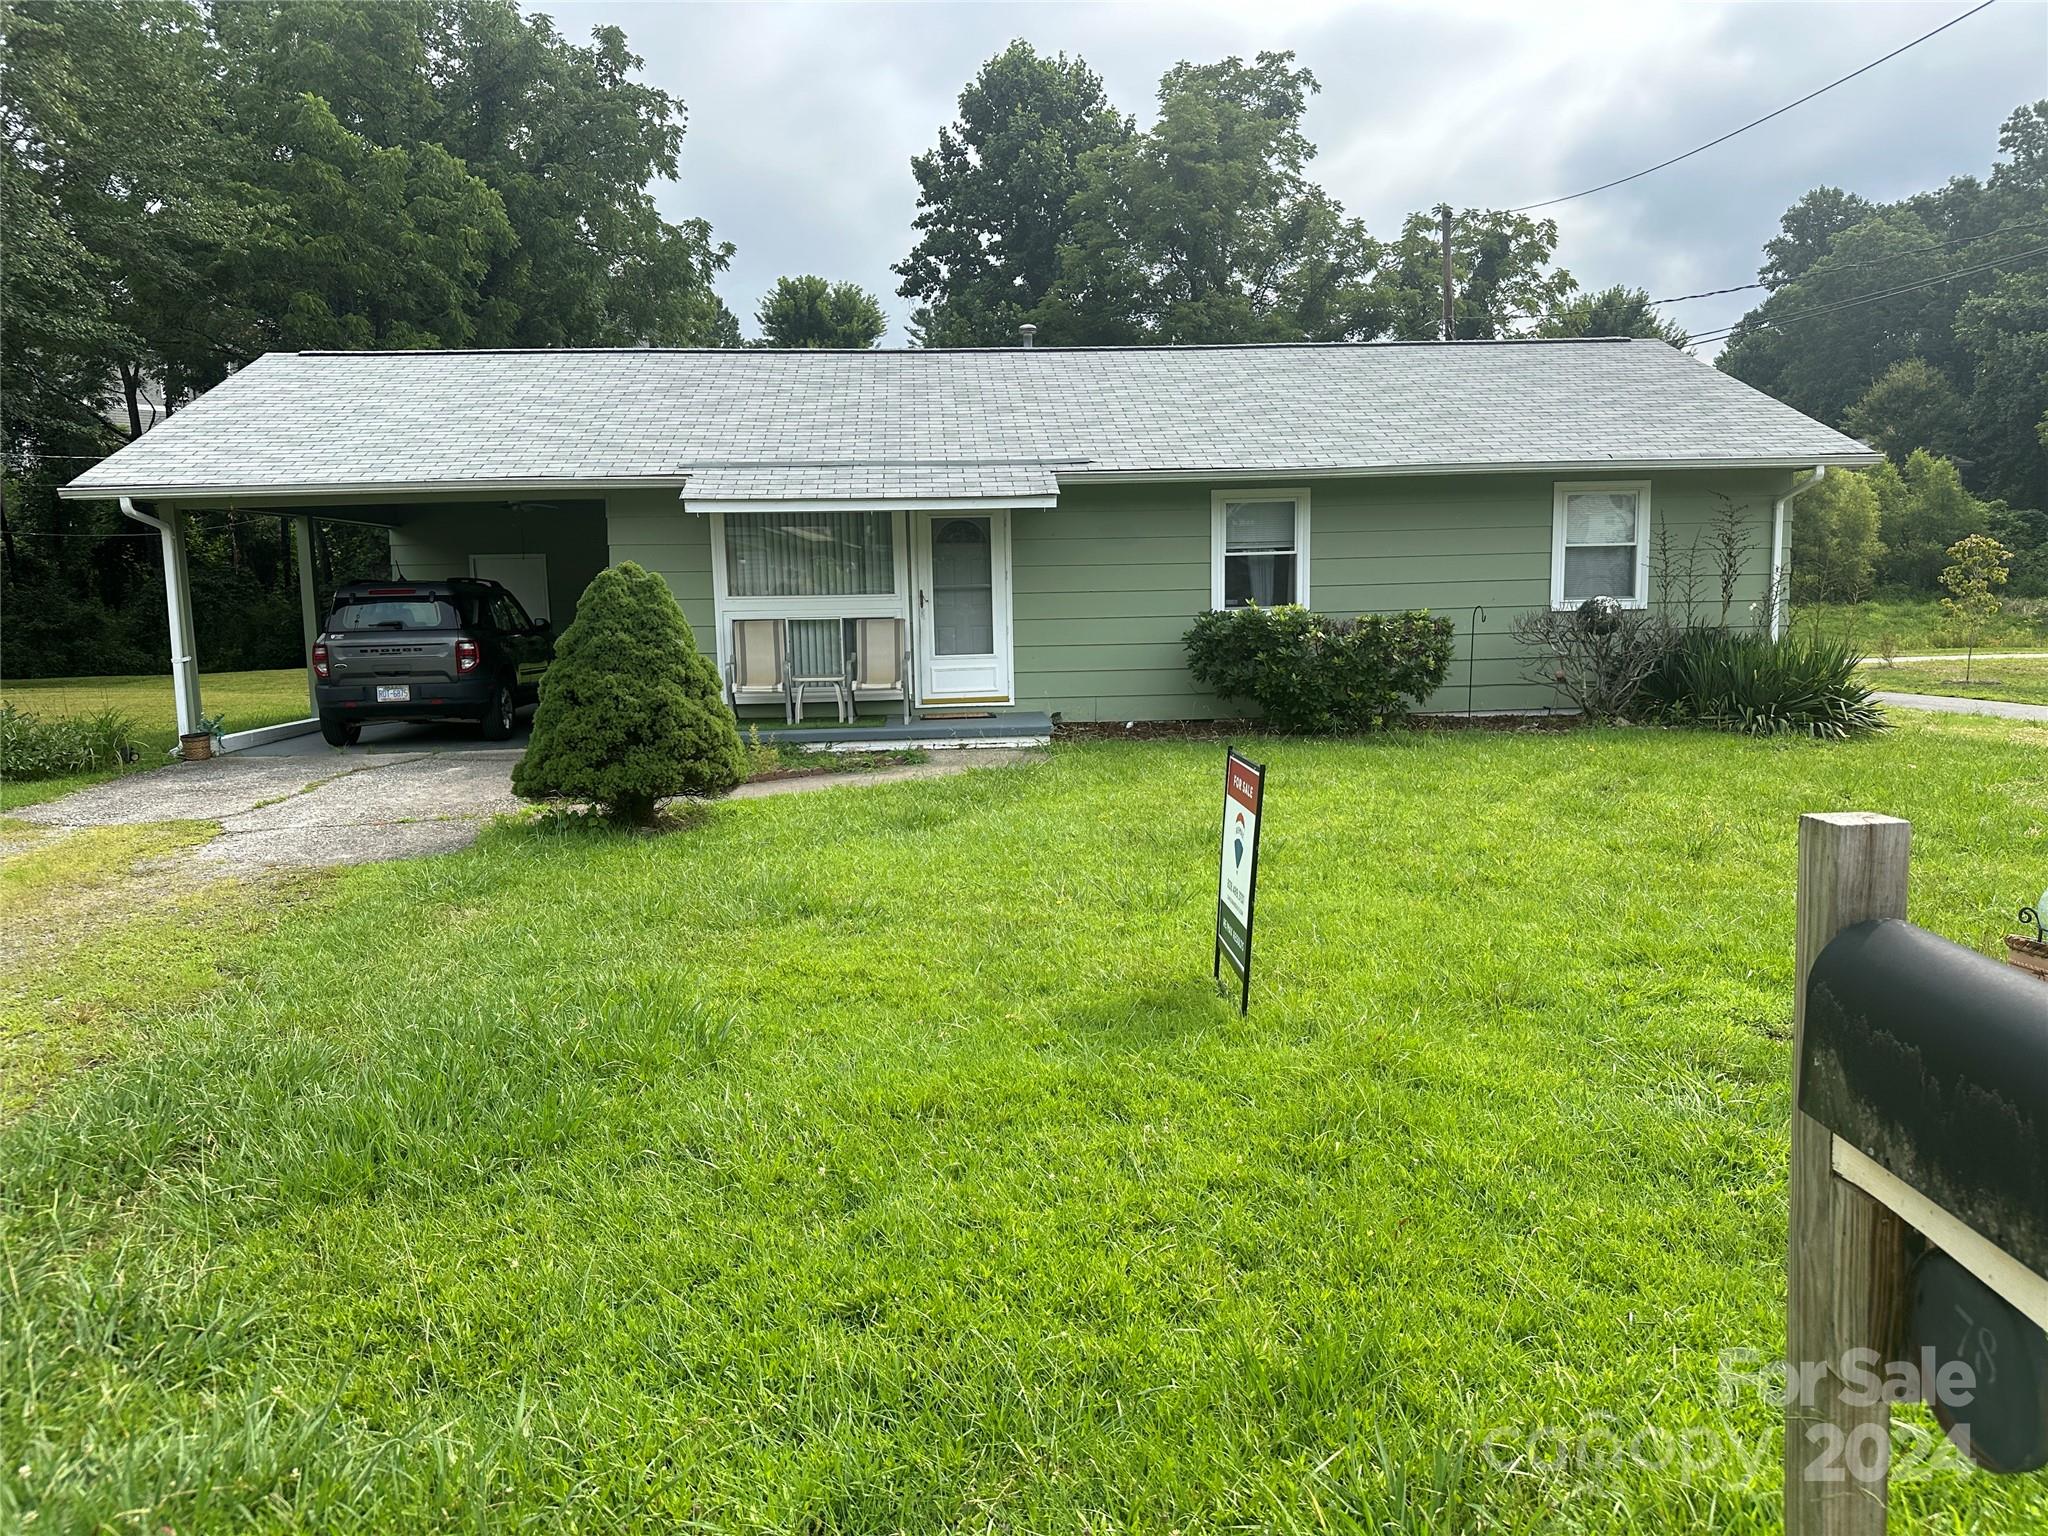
(1219, 500)
(1564, 488)
(874, 605)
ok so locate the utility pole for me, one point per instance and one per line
(1443, 213)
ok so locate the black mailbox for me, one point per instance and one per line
(1933, 1061)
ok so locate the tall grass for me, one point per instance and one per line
(34, 748)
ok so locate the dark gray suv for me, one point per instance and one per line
(458, 649)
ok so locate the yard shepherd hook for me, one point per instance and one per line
(1472, 655)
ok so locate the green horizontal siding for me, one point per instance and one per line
(1102, 587)
(651, 527)
(1106, 584)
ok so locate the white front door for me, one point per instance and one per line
(525, 575)
(961, 571)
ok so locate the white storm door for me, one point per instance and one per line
(961, 570)
(525, 575)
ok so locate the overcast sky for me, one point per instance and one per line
(803, 118)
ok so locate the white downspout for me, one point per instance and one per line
(1780, 595)
(178, 603)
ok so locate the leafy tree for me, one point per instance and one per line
(362, 246)
(1206, 229)
(1912, 405)
(1807, 229)
(1921, 323)
(631, 712)
(2005, 333)
(1834, 539)
(116, 144)
(1972, 584)
(810, 312)
(1616, 311)
(1924, 511)
(1500, 269)
(571, 143)
(993, 197)
(185, 188)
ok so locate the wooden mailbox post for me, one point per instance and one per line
(1920, 1105)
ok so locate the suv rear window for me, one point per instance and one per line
(394, 613)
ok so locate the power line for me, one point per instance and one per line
(1875, 261)
(1550, 202)
(1721, 333)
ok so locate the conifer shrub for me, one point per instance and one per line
(631, 712)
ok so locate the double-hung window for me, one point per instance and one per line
(1258, 548)
(1600, 543)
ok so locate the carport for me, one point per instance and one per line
(544, 548)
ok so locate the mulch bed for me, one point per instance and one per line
(1226, 730)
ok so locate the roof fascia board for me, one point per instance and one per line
(705, 505)
(240, 495)
(1392, 471)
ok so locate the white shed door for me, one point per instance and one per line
(525, 575)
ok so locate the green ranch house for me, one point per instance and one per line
(1016, 533)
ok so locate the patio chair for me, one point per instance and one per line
(754, 667)
(814, 657)
(879, 664)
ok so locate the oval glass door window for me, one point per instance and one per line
(963, 588)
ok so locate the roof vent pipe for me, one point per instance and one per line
(1027, 332)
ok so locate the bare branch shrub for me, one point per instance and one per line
(1596, 654)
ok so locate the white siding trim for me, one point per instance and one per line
(1563, 488)
(725, 607)
(1218, 500)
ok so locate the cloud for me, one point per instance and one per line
(804, 118)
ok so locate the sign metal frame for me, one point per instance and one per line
(1244, 784)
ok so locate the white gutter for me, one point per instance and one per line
(1778, 597)
(178, 609)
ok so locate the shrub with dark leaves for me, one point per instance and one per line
(1311, 673)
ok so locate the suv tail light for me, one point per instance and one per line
(466, 656)
(320, 662)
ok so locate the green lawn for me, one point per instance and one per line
(1916, 625)
(246, 700)
(884, 1159)
(2023, 681)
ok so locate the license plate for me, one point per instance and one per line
(401, 694)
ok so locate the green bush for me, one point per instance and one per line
(32, 748)
(1307, 672)
(1756, 686)
(630, 710)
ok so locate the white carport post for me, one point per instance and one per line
(309, 611)
(178, 604)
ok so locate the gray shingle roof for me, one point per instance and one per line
(900, 423)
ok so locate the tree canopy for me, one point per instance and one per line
(993, 197)
(184, 188)
(1616, 311)
(1921, 324)
(808, 311)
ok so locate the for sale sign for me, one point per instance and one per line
(1244, 788)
